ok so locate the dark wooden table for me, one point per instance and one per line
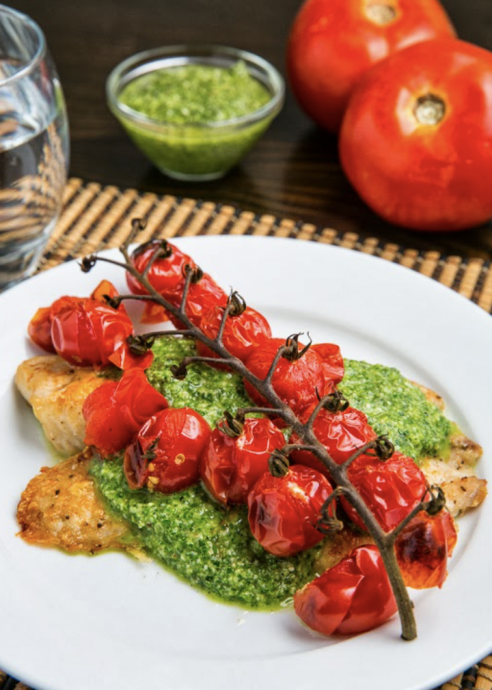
(294, 171)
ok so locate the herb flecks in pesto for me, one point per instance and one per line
(205, 544)
(396, 407)
(207, 390)
(195, 94)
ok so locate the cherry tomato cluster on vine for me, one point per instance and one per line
(169, 449)
(411, 104)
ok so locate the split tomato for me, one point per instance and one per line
(116, 411)
(352, 597)
(334, 42)
(166, 454)
(416, 141)
(231, 466)
(423, 548)
(284, 511)
(390, 488)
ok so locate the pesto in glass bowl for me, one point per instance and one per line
(195, 111)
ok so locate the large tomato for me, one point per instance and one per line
(416, 140)
(334, 42)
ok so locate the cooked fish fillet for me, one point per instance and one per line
(56, 390)
(60, 508)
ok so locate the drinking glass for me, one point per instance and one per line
(33, 146)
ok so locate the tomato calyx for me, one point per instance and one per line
(334, 402)
(291, 350)
(436, 502)
(279, 463)
(429, 109)
(380, 13)
(195, 272)
(236, 303)
(231, 426)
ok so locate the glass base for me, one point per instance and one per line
(192, 177)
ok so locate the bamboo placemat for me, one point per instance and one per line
(97, 217)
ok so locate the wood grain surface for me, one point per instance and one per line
(294, 170)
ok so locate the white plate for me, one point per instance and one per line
(73, 623)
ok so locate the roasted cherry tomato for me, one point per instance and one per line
(340, 432)
(352, 597)
(284, 511)
(390, 488)
(202, 296)
(241, 332)
(166, 454)
(423, 548)
(333, 364)
(166, 274)
(231, 466)
(334, 42)
(296, 382)
(416, 140)
(115, 412)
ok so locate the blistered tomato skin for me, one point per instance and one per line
(334, 42)
(352, 597)
(166, 454)
(416, 141)
(241, 333)
(341, 433)
(283, 511)
(165, 275)
(390, 488)
(423, 548)
(295, 382)
(230, 467)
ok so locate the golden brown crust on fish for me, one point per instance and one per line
(57, 391)
(60, 508)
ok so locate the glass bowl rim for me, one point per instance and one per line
(192, 50)
(40, 51)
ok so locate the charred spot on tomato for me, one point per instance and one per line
(429, 109)
(380, 13)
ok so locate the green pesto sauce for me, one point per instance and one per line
(185, 99)
(207, 390)
(398, 408)
(210, 547)
(198, 94)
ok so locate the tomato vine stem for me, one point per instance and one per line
(383, 540)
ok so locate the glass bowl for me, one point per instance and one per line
(194, 151)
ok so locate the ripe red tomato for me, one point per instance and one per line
(283, 511)
(352, 597)
(241, 332)
(202, 296)
(166, 274)
(416, 140)
(334, 42)
(116, 411)
(333, 364)
(166, 454)
(340, 432)
(295, 382)
(390, 488)
(423, 549)
(230, 467)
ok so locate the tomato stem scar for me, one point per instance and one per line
(429, 109)
(380, 14)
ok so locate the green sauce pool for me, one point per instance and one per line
(211, 547)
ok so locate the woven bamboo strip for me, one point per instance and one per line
(454, 684)
(450, 270)
(199, 221)
(328, 236)
(390, 251)
(307, 232)
(179, 215)
(123, 226)
(243, 223)
(71, 214)
(484, 678)
(69, 243)
(409, 258)
(430, 263)
(156, 218)
(485, 298)
(106, 225)
(470, 278)
(370, 245)
(220, 221)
